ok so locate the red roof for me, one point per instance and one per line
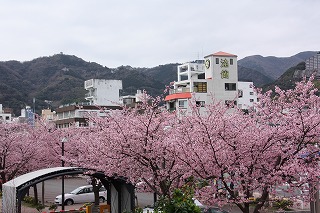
(178, 96)
(220, 53)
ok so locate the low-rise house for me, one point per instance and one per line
(5, 115)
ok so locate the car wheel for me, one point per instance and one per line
(101, 199)
(68, 202)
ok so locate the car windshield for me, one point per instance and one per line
(75, 191)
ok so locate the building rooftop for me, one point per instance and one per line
(220, 53)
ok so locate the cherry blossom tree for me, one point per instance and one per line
(50, 139)
(24, 148)
(138, 144)
(233, 155)
(17, 150)
(236, 155)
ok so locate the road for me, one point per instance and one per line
(52, 188)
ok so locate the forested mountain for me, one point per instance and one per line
(274, 67)
(60, 78)
(288, 80)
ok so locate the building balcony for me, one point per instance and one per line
(201, 88)
(192, 67)
(180, 90)
(89, 95)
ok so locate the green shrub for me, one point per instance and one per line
(180, 201)
(283, 204)
(40, 207)
(138, 210)
(53, 207)
(29, 200)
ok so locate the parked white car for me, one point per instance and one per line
(82, 194)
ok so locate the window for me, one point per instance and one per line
(230, 86)
(240, 93)
(172, 106)
(7, 118)
(251, 100)
(230, 103)
(217, 60)
(201, 76)
(231, 61)
(183, 104)
(200, 87)
(251, 93)
(200, 103)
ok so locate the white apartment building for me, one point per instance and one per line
(78, 114)
(214, 77)
(5, 117)
(103, 96)
(246, 95)
(132, 100)
(312, 68)
(313, 63)
(102, 92)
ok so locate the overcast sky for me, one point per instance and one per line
(148, 33)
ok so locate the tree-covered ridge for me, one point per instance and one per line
(60, 78)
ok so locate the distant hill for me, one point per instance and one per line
(60, 78)
(273, 67)
(286, 80)
(247, 74)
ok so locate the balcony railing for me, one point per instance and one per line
(88, 95)
(187, 89)
(179, 90)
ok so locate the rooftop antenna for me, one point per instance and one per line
(202, 56)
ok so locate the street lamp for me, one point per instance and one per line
(63, 140)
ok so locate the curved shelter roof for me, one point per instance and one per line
(14, 190)
(122, 193)
(43, 174)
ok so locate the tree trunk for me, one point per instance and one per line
(312, 198)
(317, 204)
(263, 199)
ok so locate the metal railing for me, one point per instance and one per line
(179, 90)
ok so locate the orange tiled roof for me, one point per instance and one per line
(220, 53)
(178, 96)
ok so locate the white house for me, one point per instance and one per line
(4, 116)
(103, 95)
(103, 92)
(246, 95)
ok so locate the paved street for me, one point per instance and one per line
(52, 188)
